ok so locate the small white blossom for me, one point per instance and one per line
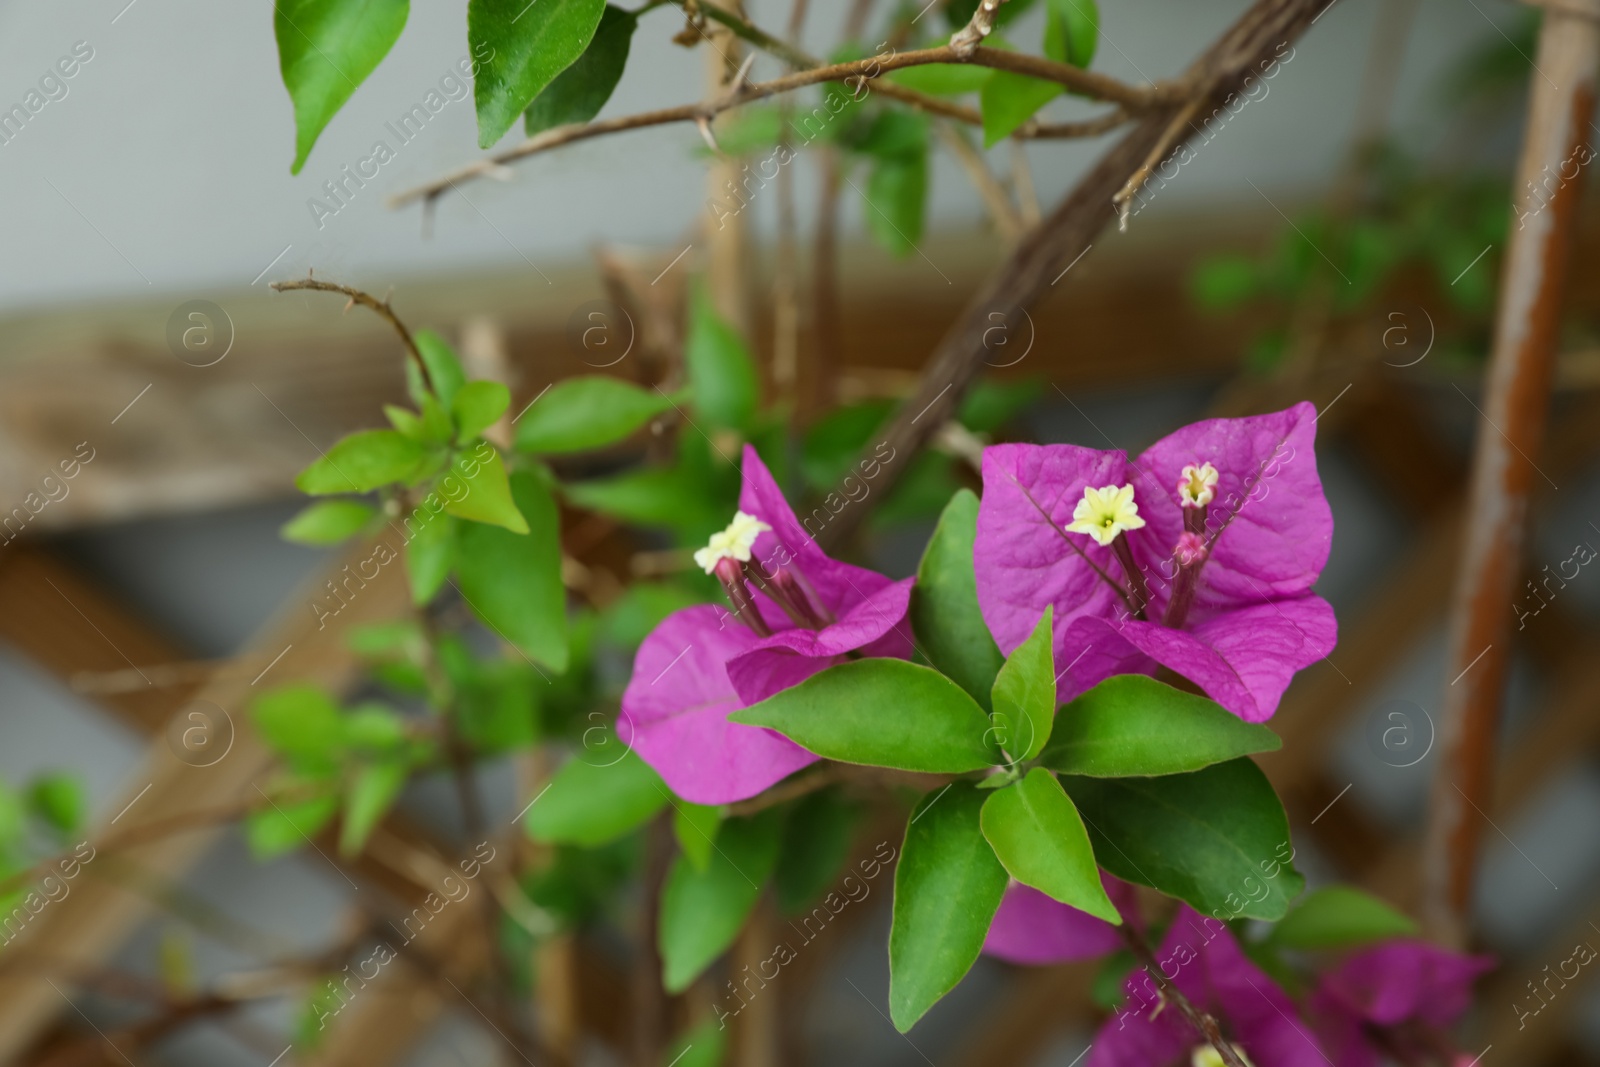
(1197, 486)
(1103, 513)
(733, 543)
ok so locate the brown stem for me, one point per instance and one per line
(1131, 98)
(1042, 256)
(366, 300)
(965, 40)
(1516, 401)
(1203, 1022)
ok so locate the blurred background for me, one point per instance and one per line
(1337, 240)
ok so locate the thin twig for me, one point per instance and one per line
(366, 300)
(994, 196)
(1202, 1021)
(1130, 98)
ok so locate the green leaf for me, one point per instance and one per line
(284, 826)
(829, 449)
(944, 603)
(58, 800)
(895, 134)
(653, 496)
(578, 93)
(513, 581)
(703, 911)
(588, 412)
(362, 462)
(942, 79)
(327, 522)
(497, 703)
(1025, 693)
(300, 723)
(373, 728)
(444, 369)
(1131, 725)
(370, 795)
(704, 1046)
(1072, 31)
(722, 376)
(1038, 836)
(883, 713)
(1339, 916)
(947, 888)
(896, 195)
(628, 620)
(959, 12)
(1217, 839)
(1008, 100)
(589, 805)
(816, 843)
(325, 49)
(695, 827)
(487, 498)
(430, 552)
(521, 45)
(989, 406)
(476, 407)
(1223, 282)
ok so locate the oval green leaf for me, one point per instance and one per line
(588, 412)
(513, 581)
(947, 888)
(325, 49)
(722, 376)
(476, 407)
(703, 911)
(520, 47)
(362, 462)
(588, 805)
(1038, 836)
(1024, 695)
(1131, 725)
(1339, 916)
(1217, 839)
(578, 93)
(327, 522)
(944, 604)
(882, 713)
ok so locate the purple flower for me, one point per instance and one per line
(1397, 996)
(795, 612)
(1198, 557)
(1032, 928)
(1201, 958)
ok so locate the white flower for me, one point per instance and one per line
(1103, 513)
(1206, 1056)
(733, 543)
(1197, 485)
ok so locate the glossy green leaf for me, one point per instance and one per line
(58, 800)
(942, 79)
(947, 888)
(487, 495)
(705, 1045)
(284, 826)
(1072, 31)
(521, 45)
(722, 375)
(430, 552)
(897, 197)
(1131, 725)
(695, 827)
(578, 93)
(326, 48)
(590, 804)
(327, 522)
(944, 603)
(362, 462)
(1339, 916)
(476, 407)
(513, 581)
(1217, 839)
(816, 844)
(1039, 838)
(444, 369)
(883, 713)
(1024, 696)
(301, 723)
(588, 412)
(370, 795)
(1009, 99)
(703, 911)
